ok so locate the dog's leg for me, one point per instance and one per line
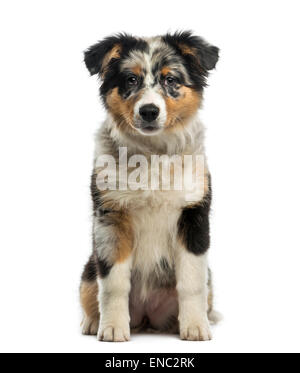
(114, 303)
(113, 252)
(90, 293)
(191, 273)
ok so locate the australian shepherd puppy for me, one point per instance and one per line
(149, 265)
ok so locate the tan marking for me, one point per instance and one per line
(89, 299)
(182, 108)
(119, 220)
(122, 110)
(137, 70)
(186, 49)
(165, 70)
(113, 53)
(125, 236)
(206, 180)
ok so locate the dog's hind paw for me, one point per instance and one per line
(89, 326)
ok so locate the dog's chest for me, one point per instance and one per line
(154, 243)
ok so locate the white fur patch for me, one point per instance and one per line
(114, 304)
(191, 275)
(152, 96)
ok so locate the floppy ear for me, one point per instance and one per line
(192, 46)
(98, 56)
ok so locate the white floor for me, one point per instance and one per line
(255, 331)
(225, 339)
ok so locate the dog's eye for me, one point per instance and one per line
(170, 81)
(132, 80)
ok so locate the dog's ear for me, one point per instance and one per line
(98, 57)
(191, 46)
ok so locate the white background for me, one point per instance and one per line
(49, 112)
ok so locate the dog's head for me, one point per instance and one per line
(152, 84)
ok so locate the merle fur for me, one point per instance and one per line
(197, 65)
(193, 225)
(95, 264)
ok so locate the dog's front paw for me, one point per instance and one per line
(195, 331)
(113, 333)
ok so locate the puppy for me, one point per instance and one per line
(148, 268)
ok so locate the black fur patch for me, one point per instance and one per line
(95, 267)
(103, 268)
(89, 272)
(193, 226)
(124, 89)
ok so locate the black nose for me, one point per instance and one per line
(149, 112)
